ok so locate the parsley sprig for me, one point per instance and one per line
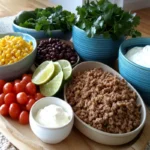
(103, 17)
(48, 19)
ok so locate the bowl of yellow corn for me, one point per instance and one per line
(17, 54)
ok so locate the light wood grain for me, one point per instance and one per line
(18, 135)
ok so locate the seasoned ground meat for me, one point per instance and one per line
(104, 101)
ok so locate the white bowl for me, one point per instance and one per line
(51, 135)
(95, 134)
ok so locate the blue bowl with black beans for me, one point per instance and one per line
(55, 49)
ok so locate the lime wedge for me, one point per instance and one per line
(43, 73)
(52, 87)
(66, 68)
(57, 68)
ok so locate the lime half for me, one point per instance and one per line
(52, 87)
(66, 68)
(43, 73)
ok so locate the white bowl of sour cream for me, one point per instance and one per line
(51, 119)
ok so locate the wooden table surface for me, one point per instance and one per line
(12, 7)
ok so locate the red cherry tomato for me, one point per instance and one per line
(9, 98)
(2, 83)
(22, 107)
(8, 88)
(2, 98)
(26, 78)
(24, 117)
(30, 103)
(30, 97)
(24, 83)
(17, 81)
(19, 87)
(14, 111)
(22, 98)
(38, 96)
(4, 110)
(31, 88)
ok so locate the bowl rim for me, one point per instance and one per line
(96, 37)
(129, 61)
(107, 133)
(46, 99)
(19, 34)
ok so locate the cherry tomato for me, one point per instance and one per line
(38, 96)
(9, 98)
(2, 98)
(14, 111)
(24, 83)
(30, 103)
(19, 87)
(4, 110)
(24, 117)
(31, 88)
(17, 81)
(2, 83)
(26, 78)
(22, 98)
(8, 88)
(22, 107)
(30, 97)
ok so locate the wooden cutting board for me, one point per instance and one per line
(24, 139)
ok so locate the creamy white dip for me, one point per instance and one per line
(52, 116)
(140, 55)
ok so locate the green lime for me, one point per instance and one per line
(52, 87)
(66, 68)
(57, 68)
(43, 72)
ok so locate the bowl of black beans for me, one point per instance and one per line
(56, 49)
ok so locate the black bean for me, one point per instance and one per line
(60, 55)
(73, 58)
(64, 45)
(73, 62)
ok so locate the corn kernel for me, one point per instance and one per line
(13, 49)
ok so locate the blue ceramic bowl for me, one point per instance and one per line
(137, 75)
(15, 70)
(41, 34)
(97, 48)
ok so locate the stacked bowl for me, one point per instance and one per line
(97, 48)
(137, 75)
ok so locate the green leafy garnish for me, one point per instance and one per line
(103, 17)
(48, 19)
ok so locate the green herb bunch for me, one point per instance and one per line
(103, 17)
(48, 19)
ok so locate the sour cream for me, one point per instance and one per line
(140, 55)
(52, 116)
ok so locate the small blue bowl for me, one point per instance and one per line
(15, 70)
(97, 48)
(137, 75)
(41, 34)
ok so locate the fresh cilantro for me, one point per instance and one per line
(102, 17)
(48, 19)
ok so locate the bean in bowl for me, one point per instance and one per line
(55, 49)
(104, 101)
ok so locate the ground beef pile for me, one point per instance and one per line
(104, 101)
